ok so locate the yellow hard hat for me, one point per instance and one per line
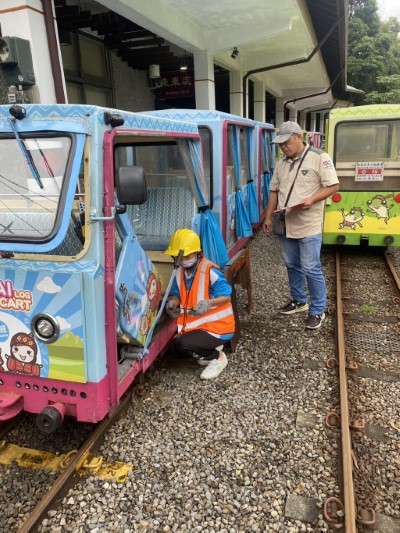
(183, 239)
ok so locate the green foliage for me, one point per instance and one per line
(367, 11)
(373, 54)
(392, 25)
(366, 308)
(388, 93)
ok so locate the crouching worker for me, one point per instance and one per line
(200, 300)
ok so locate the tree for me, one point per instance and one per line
(373, 53)
(389, 91)
(367, 11)
(392, 25)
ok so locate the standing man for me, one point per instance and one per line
(313, 176)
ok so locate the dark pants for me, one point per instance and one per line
(197, 344)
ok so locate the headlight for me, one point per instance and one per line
(45, 328)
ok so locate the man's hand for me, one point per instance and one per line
(172, 309)
(201, 308)
(307, 203)
(266, 226)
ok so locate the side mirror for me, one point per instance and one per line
(130, 183)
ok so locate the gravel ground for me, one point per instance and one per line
(246, 452)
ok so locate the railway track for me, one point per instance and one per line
(368, 366)
(71, 465)
(369, 309)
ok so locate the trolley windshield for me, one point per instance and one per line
(367, 154)
(29, 209)
(367, 141)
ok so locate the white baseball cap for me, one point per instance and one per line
(286, 130)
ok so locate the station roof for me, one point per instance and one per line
(267, 33)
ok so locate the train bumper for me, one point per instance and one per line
(10, 404)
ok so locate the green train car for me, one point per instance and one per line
(364, 144)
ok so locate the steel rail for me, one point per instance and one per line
(392, 269)
(348, 483)
(70, 475)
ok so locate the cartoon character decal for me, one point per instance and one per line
(144, 326)
(378, 205)
(23, 297)
(23, 355)
(153, 293)
(129, 302)
(153, 290)
(138, 295)
(353, 217)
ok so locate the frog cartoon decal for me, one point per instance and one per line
(353, 217)
(378, 205)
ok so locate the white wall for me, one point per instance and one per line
(24, 19)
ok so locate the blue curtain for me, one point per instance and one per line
(252, 201)
(266, 181)
(267, 160)
(205, 224)
(212, 243)
(272, 150)
(242, 221)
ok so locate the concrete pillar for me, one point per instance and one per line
(27, 22)
(279, 112)
(313, 120)
(293, 115)
(204, 80)
(321, 122)
(259, 101)
(302, 116)
(236, 93)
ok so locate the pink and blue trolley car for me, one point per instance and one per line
(88, 200)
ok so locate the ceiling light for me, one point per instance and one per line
(183, 63)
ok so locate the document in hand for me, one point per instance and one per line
(284, 209)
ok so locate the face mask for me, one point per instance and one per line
(188, 263)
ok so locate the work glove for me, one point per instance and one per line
(201, 308)
(171, 309)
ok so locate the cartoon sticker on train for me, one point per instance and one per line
(379, 205)
(352, 219)
(89, 198)
(364, 143)
(60, 295)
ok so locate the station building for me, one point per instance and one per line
(264, 59)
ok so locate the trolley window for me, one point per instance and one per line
(171, 188)
(367, 143)
(30, 206)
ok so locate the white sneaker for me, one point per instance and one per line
(215, 367)
(204, 362)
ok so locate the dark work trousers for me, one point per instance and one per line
(197, 344)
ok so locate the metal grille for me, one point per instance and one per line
(371, 341)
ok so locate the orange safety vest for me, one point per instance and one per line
(218, 320)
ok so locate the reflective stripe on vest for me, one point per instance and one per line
(218, 320)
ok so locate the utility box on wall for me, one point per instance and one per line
(16, 61)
